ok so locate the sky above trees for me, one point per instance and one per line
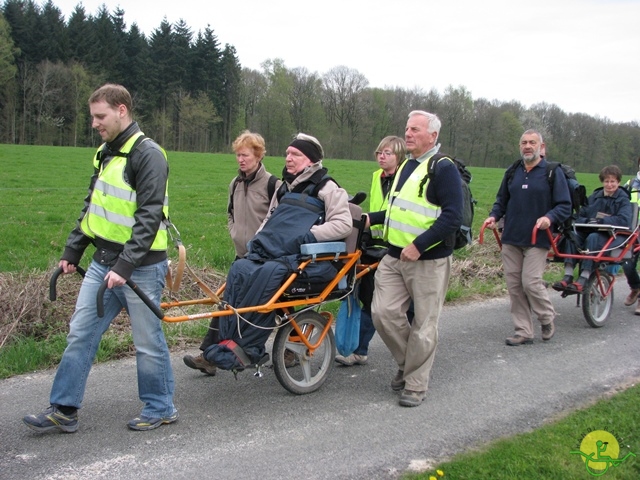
(582, 55)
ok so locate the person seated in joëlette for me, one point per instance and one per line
(607, 205)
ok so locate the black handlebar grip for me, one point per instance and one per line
(147, 301)
(54, 280)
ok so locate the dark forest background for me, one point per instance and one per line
(191, 93)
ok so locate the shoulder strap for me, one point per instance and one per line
(431, 169)
(236, 181)
(551, 172)
(511, 170)
(271, 186)
(271, 189)
(128, 168)
(323, 181)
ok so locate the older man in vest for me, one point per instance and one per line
(420, 222)
(124, 217)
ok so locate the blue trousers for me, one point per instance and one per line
(155, 376)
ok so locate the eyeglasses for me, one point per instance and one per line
(386, 153)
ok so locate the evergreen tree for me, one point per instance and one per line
(229, 102)
(206, 69)
(80, 35)
(51, 37)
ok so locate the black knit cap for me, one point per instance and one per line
(310, 149)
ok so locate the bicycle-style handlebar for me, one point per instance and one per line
(495, 234)
(54, 280)
(100, 300)
(147, 301)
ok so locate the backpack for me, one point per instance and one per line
(463, 235)
(577, 192)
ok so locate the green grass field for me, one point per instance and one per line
(43, 187)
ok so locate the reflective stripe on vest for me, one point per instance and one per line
(377, 203)
(408, 214)
(111, 212)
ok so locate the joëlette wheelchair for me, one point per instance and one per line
(303, 328)
(597, 295)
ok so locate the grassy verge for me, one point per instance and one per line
(546, 452)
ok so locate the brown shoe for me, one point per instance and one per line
(637, 312)
(411, 398)
(548, 331)
(520, 340)
(199, 363)
(633, 296)
(397, 383)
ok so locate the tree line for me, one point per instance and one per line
(192, 94)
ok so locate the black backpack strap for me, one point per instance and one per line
(271, 189)
(431, 170)
(511, 170)
(236, 181)
(551, 172)
(271, 186)
(323, 181)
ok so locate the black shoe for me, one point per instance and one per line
(518, 340)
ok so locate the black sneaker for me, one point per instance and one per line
(143, 423)
(52, 419)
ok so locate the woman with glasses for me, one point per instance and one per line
(390, 154)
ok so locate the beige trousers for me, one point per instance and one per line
(413, 346)
(523, 269)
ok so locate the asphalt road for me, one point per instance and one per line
(352, 428)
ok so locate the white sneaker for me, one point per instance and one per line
(353, 359)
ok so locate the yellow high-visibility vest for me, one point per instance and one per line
(410, 214)
(377, 203)
(113, 203)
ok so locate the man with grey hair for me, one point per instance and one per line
(527, 199)
(422, 216)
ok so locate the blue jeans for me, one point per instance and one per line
(367, 331)
(155, 376)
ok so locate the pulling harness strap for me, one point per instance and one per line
(174, 283)
(237, 350)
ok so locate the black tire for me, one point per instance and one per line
(595, 307)
(309, 372)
